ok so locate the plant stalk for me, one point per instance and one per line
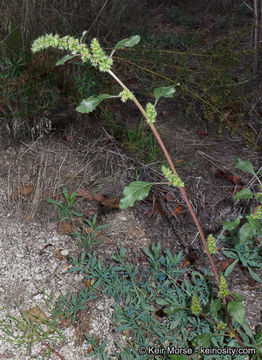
(185, 197)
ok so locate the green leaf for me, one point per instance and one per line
(230, 254)
(128, 42)
(64, 59)
(247, 330)
(230, 268)
(215, 307)
(203, 340)
(246, 232)
(177, 357)
(258, 337)
(166, 91)
(237, 311)
(148, 253)
(161, 302)
(255, 223)
(89, 104)
(172, 309)
(65, 193)
(231, 225)
(237, 297)
(174, 324)
(122, 252)
(136, 190)
(245, 166)
(52, 201)
(72, 198)
(243, 194)
(254, 275)
(123, 327)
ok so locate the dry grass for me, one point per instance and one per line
(102, 18)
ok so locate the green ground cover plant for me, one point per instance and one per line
(29, 329)
(240, 235)
(225, 311)
(67, 210)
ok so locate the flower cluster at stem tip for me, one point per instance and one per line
(223, 290)
(97, 57)
(195, 307)
(126, 95)
(211, 244)
(258, 214)
(150, 113)
(221, 325)
(174, 180)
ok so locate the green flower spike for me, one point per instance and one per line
(259, 194)
(211, 244)
(44, 42)
(175, 180)
(232, 335)
(195, 307)
(126, 95)
(258, 214)
(223, 290)
(221, 325)
(99, 59)
(150, 113)
(65, 43)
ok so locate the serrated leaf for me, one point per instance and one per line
(89, 104)
(136, 190)
(237, 311)
(172, 309)
(128, 42)
(231, 225)
(254, 275)
(64, 59)
(243, 194)
(203, 340)
(166, 91)
(246, 233)
(245, 166)
(215, 307)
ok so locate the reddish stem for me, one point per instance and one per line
(54, 351)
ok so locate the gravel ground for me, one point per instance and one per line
(34, 264)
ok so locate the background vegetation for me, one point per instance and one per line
(211, 48)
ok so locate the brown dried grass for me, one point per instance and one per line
(103, 18)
